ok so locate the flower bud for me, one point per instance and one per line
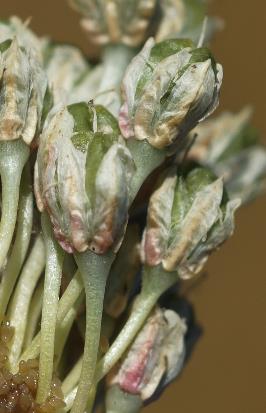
(22, 92)
(65, 66)
(188, 218)
(185, 19)
(229, 146)
(173, 15)
(157, 354)
(115, 21)
(14, 27)
(82, 177)
(168, 89)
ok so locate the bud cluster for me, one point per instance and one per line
(115, 189)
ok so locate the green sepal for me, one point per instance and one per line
(159, 52)
(97, 148)
(48, 103)
(5, 45)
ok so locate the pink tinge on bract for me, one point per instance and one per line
(124, 122)
(152, 254)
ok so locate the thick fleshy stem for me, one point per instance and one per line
(52, 282)
(21, 243)
(94, 270)
(146, 159)
(117, 401)
(13, 156)
(20, 303)
(155, 282)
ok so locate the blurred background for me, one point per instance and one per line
(226, 373)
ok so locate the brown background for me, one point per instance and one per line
(227, 371)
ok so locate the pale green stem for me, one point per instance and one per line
(13, 156)
(21, 244)
(155, 283)
(115, 61)
(63, 330)
(34, 315)
(118, 401)
(52, 282)
(72, 378)
(91, 398)
(69, 400)
(94, 270)
(68, 299)
(146, 159)
(18, 314)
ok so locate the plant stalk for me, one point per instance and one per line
(21, 243)
(13, 156)
(94, 270)
(52, 282)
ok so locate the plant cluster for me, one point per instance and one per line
(114, 191)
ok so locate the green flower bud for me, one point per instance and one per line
(115, 21)
(22, 92)
(82, 177)
(157, 353)
(168, 89)
(229, 146)
(188, 218)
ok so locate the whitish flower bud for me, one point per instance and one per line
(23, 85)
(168, 89)
(173, 15)
(65, 66)
(115, 21)
(82, 177)
(220, 137)
(244, 173)
(156, 355)
(14, 27)
(229, 146)
(186, 216)
(185, 19)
